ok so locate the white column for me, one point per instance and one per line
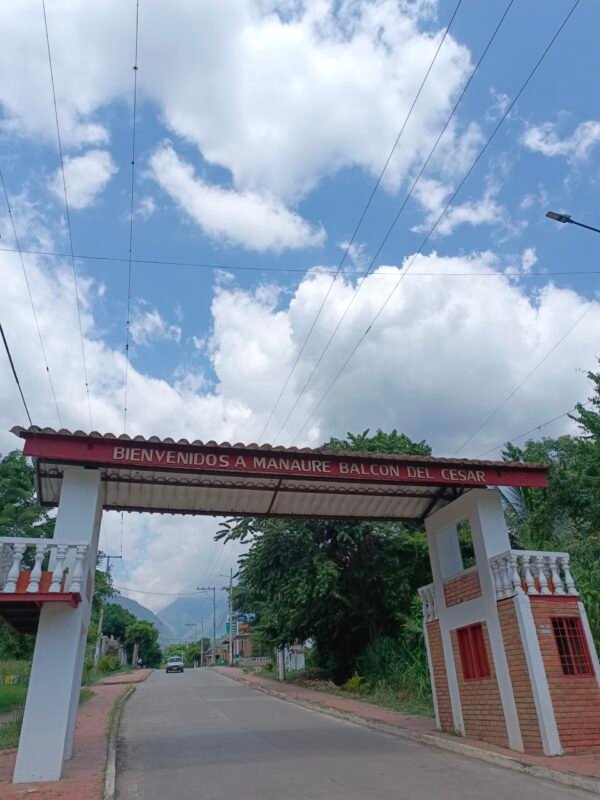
(537, 676)
(53, 694)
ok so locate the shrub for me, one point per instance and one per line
(108, 664)
(355, 684)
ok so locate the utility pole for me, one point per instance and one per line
(231, 616)
(201, 641)
(101, 620)
(212, 589)
(193, 625)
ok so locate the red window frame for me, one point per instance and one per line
(572, 646)
(473, 655)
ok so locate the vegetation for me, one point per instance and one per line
(343, 584)
(350, 586)
(190, 652)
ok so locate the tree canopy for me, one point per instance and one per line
(340, 583)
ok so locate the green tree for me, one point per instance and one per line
(116, 621)
(341, 583)
(565, 516)
(20, 512)
(145, 635)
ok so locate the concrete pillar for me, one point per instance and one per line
(53, 695)
(281, 664)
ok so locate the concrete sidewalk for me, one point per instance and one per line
(83, 776)
(579, 770)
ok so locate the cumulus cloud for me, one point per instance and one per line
(295, 93)
(148, 326)
(252, 220)
(433, 195)
(86, 177)
(545, 139)
(444, 353)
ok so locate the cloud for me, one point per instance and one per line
(433, 195)
(148, 327)
(86, 177)
(294, 90)
(440, 358)
(257, 222)
(545, 139)
(146, 208)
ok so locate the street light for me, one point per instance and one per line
(567, 218)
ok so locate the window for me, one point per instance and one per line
(471, 647)
(572, 648)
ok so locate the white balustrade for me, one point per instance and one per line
(68, 564)
(532, 573)
(427, 595)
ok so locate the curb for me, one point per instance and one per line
(111, 759)
(586, 782)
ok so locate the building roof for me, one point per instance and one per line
(182, 477)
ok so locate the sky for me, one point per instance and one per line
(262, 128)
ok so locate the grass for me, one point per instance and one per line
(11, 696)
(10, 731)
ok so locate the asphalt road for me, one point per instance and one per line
(200, 736)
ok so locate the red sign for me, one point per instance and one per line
(278, 464)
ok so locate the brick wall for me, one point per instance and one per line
(462, 588)
(576, 698)
(483, 715)
(439, 674)
(519, 675)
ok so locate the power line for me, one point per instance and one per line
(440, 217)
(304, 270)
(396, 218)
(14, 372)
(360, 221)
(35, 317)
(532, 430)
(511, 394)
(68, 215)
(132, 195)
(161, 594)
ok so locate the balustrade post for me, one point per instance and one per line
(495, 567)
(514, 574)
(36, 572)
(76, 578)
(555, 575)
(13, 573)
(569, 582)
(529, 581)
(59, 567)
(543, 581)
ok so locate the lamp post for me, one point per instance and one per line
(564, 218)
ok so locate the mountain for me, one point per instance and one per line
(165, 634)
(181, 613)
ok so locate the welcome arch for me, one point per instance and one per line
(84, 473)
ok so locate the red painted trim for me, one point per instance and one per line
(73, 598)
(106, 453)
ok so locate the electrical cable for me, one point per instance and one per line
(304, 270)
(132, 196)
(14, 372)
(442, 214)
(511, 394)
(68, 215)
(532, 430)
(361, 219)
(396, 218)
(33, 308)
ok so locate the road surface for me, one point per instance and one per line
(200, 736)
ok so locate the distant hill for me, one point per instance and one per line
(191, 609)
(165, 634)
